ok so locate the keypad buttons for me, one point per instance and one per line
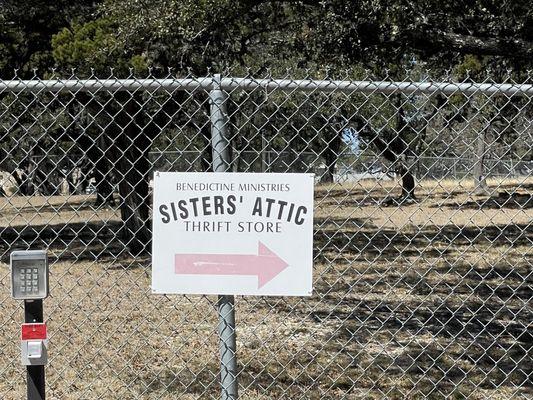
(29, 274)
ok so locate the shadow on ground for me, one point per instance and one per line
(79, 241)
(506, 199)
(411, 312)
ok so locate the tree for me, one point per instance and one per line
(377, 34)
(198, 37)
(259, 33)
(26, 30)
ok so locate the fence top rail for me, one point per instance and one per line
(250, 84)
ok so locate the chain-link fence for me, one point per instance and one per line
(422, 236)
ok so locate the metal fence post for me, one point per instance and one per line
(226, 304)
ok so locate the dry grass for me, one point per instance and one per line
(429, 300)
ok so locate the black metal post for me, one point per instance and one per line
(33, 313)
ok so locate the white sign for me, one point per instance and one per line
(232, 233)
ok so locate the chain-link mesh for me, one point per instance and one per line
(422, 236)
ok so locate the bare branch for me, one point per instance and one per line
(433, 41)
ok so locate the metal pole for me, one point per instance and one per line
(287, 85)
(228, 347)
(33, 312)
(219, 137)
(226, 304)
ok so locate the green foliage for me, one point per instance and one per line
(88, 44)
(11, 39)
(26, 30)
(221, 34)
(470, 67)
(139, 63)
(357, 39)
(93, 47)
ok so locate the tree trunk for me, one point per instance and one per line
(133, 166)
(70, 182)
(28, 186)
(393, 152)
(329, 173)
(102, 170)
(127, 146)
(99, 167)
(408, 183)
(331, 155)
(43, 181)
(85, 171)
(480, 182)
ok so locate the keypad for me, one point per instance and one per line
(29, 280)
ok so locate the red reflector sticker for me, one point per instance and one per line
(33, 331)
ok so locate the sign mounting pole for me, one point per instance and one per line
(226, 304)
(29, 282)
(33, 313)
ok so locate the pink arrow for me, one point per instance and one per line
(265, 265)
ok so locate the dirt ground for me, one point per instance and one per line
(426, 300)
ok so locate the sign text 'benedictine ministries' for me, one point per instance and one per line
(232, 233)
